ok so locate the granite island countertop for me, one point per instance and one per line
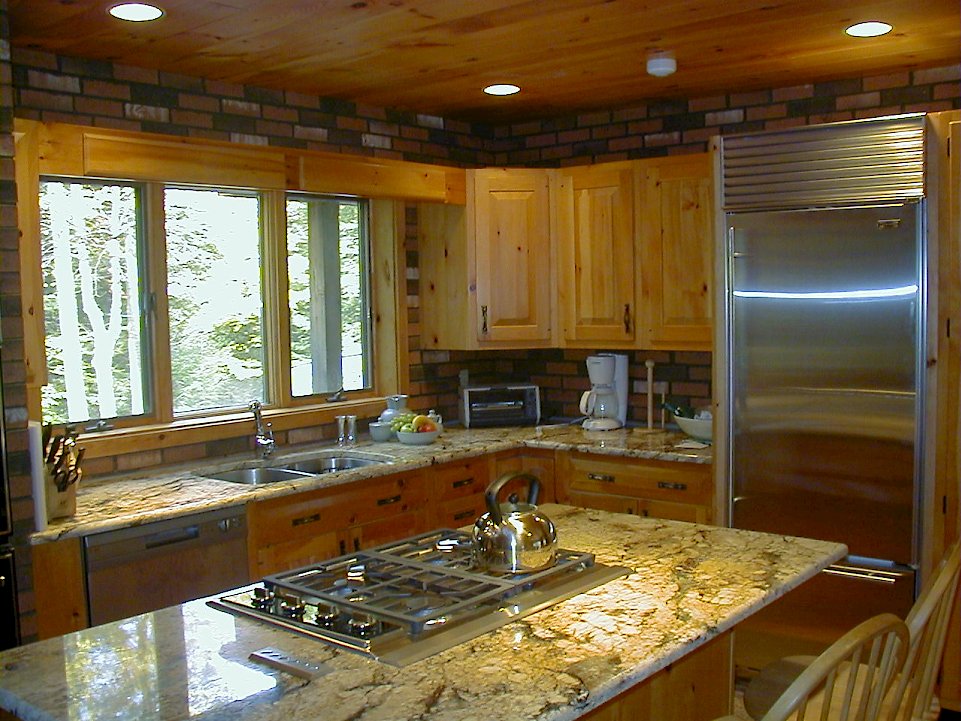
(689, 584)
(132, 499)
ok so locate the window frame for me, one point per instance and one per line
(366, 282)
(386, 277)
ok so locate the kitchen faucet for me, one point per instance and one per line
(265, 434)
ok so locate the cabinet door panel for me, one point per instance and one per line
(511, 223)
(677, 239)
(293, 553)
(603, 502)
(595, 236)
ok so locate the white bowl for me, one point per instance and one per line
(381, 432)
(697, 428)
(417, 439)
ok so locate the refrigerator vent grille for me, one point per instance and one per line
(848, 163)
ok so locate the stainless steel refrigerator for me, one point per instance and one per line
(824, 351)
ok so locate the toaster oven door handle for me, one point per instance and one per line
(495, 406)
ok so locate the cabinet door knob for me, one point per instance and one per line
(627, 317)
(601, 477)
(484, 319)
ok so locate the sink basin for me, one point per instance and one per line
(329, 464)
(294, 470)
(256, 476)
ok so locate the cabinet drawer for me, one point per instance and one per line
(642, 478)
(460, 511)
(304, 515)
(456, 480)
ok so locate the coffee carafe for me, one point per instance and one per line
(605, 404)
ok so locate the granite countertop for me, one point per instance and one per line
(159, 494)
(689, 584)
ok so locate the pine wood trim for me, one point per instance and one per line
(159, 307)
(375, 177)
(59, 584)
(389, 295)
(77, 151)
(27, 143)
(276, 285)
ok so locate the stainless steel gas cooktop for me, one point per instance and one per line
(407, 600)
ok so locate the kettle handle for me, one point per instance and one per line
(490, 496)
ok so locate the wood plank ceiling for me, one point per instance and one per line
(569, 56)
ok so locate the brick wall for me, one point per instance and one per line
(12, 355)
(685, 126)
(93, 92)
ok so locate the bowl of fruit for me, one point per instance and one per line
(414, 429)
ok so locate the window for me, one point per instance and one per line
(93, 287)
(214, 298)
(117, 351)
(327, 260)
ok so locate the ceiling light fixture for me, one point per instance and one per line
(502, 89)
(870, 29)
(136, 12)
(660, 65)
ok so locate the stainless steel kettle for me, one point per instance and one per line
(514, 537)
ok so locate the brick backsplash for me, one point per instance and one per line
(56, 88)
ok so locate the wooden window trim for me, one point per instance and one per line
(56, 149)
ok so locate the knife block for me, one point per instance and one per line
(60, 504)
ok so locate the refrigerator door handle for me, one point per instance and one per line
(872, 575)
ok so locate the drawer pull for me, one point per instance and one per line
(601, 477)
(672, 486)
(388, 501)
(462, 482)
(312, 518)
(465, 514)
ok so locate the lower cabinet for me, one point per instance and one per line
(303, 528)
(696, 687)
(537, 462)
(660, 489)
(457, 492)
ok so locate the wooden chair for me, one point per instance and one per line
(913, 692)
(849, 680)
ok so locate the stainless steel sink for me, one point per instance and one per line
(257, 476)
(294, 470)
(329, 464)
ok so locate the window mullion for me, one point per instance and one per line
(275, 298)
(158, 306)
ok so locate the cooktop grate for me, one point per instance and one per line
(418, 582)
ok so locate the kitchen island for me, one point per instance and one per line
(690, 585)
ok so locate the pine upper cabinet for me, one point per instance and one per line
(510, 218)
(485, 270)
(594, 221)
(675, 203)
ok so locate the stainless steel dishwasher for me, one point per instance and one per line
(140, 569)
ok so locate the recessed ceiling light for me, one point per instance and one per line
(870, 29)
(136, 12)
(502, 89)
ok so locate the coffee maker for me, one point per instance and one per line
(605, 404)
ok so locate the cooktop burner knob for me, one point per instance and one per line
(262, 598)
(326, 614)
(291, 607)
(363, 624)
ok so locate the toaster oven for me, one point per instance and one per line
(499, 405)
